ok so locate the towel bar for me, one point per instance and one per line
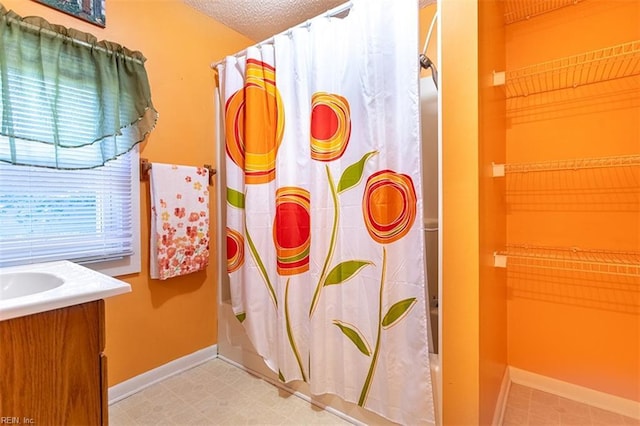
(145, 167)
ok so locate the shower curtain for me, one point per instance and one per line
(325, 250)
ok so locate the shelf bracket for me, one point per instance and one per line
(499, 260)
(499, 78)
(497, 170)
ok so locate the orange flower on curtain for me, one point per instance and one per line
(292, 239)
(330, 126)
(292, 230)
(235, 250)
(389, 206)
(254, 123)
(330, 130)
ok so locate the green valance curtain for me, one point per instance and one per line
(67, 100)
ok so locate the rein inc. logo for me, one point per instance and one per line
(16, 421)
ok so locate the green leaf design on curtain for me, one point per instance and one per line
(235, 198)
(397, 311)
(292, 340)
(350, 178)
(374, 359)
(241, 316)
(354, 335)
(332, 242)
(263, 271)
(344, 271)
(352, 175)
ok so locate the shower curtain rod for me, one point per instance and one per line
(328, 14)
(425, 61)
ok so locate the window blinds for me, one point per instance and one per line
(78, 215)
(82, 215)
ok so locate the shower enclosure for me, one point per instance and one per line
(233, 343)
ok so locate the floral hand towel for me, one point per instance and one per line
(179, 220)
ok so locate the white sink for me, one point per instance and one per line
(19, 284)
(31, 289)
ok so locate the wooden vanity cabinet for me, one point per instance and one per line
(52, 367)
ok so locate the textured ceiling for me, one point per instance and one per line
(261, 19)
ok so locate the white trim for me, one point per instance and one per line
(300, 395)
(595, 398)
(151, 377)
(501, 403)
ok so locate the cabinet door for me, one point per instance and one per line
(50, 371)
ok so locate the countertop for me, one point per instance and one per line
(80, 285)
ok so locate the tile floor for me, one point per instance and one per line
(218, 393)
(526, 406)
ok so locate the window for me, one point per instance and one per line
(72, 111)
(88, 216)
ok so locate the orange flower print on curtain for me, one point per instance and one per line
(235, 250)
(389, 206)
(254, 123)
(330, 135)
(292, 239)
(330, 126)
(291, 230)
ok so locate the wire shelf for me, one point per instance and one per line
(610, 63)
(571, 164)
(518, 10)
(622, 263)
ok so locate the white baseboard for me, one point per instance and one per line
(606, 401)
(144, 380)
(501, 403)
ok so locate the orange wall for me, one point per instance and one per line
(474, 321)
(160, 321)
(492, 210)
(460, 222)
(580, 328)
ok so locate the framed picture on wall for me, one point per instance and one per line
(89, 10)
